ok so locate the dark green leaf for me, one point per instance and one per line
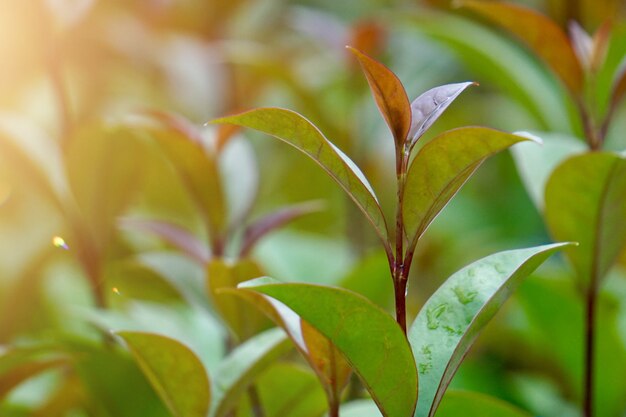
(174, 371)
(451, 319)
(441, 167)
(297, 131)
(384, 363)
(390, 96)
(586, 203)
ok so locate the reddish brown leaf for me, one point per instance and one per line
(389, 94)
(540, 34)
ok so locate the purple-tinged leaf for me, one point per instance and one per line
(300, 133)
(175, 235)
(582, 43)
(540, 34)
(427, 108)
(389, 94)
(441, 168)
(276, 220)
(454, 315)
(586, 203)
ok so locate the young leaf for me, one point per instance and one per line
(536, 163)
(242, 318)
(181, 238)
(384, 363)
(174, 371)
(242, 366)
(582, 44)
(586, 202)
(300, 133)
(541, 35)
(451, 319)
(328, 363)
(474, 404)
(441, 167)
(274, 221)
(389, 94)
(427, 108)
(18, 365)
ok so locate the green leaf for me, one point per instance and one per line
(441, 168)
(241, 318)
(384, 363)
(297, 131)
(360, 408)
(174, 371)
(389, 94)
(451, 319)
(473, 404)
(239, 370)
(288, 390)
(195, 164)
(19, 364)
(536, 163)
(540, 34)
(427, 108)
(328, 363)
(586, 202)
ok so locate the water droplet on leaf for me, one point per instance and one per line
(59, 242)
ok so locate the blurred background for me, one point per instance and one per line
(80, 247)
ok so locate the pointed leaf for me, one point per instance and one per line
(536, 163)
(474, 404)
(540, 34)
(243, 366)
(390, 96)
(427, 108)
(181, 238)
(175, 372)
(451, 319)
(441, 167)
(384, 363)
(586, 202)
(274, 221)
(582, 44)
(297, 131)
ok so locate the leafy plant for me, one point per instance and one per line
(424, 186)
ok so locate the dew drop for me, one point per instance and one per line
(116, 291)
(59, 242)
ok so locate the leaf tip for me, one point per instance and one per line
(531, 137)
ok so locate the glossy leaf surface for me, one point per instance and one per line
(451, 319)
(441, 168)
(390, 96)
(427, 108)
(243, 366)
(300, 133)
(473, 404)
(174, 371)
(349, 320)
(586, 203)
(541, 35)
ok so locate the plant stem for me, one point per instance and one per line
(399, 270)
(333, 410)
(255, 402)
